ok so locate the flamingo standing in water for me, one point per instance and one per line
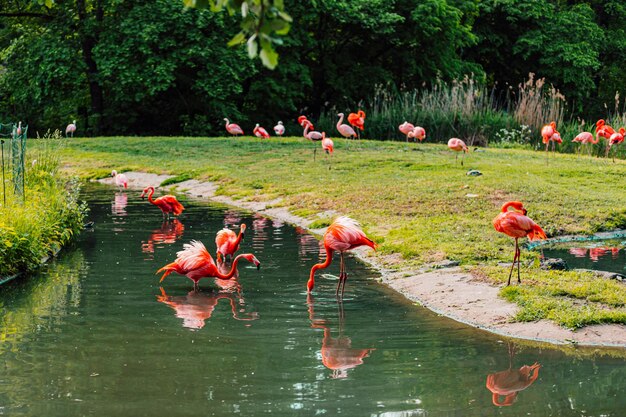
(167, 203)
(406, 128)
(195, 262)
(345, 130)
(233, 128)
(260, 132)
(615, 139)
(585, 138)
(228, 242)
(510, 382)
(120, 179)
(342, 235)
(70, 129)
(313, 136)
(357, 121)
(457, 145)
(516, 224)
(418, 133)
(279, 129)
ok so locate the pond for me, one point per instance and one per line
(604, 255)
(94, 333)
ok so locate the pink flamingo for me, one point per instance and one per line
(167, 203)
(615, 139)
(457, 145)
(70, 129)
(342, 235)
(313, 136)
(18, 131)
(328, 146)
(510, 382)
(603, 130)
(279, 129)
(516, 224)
(228, 242)
(259, 132)
(406, 128)
(195, 262)
(233, 128)
(345, 130)
(418, 133)
(120, 179)
(585, 138)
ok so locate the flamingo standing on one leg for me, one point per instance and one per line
(195, 262)
(345, 130)
(120, 179)
(342, 235)
(418, 133)
(70, 129)
(167, 203)
(313, 136)
(547, 132)
(233, 128)
(516, 224)
(227, 242)
(328, 146)
(615, 139)
(457, 145)
(357, 121)
(260, 132)
(279, 129)
(406, 128)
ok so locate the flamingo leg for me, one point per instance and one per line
(345, 278)
(512, 265)
(462, 158)
(547, 145)
(519, 281)
(314, 151)
(340, 275)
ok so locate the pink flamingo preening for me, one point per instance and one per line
(120, 179)
(615, 139)
(233, 128)
(418, 133)
(342, 235)
(457, 145)
(195, 262)
(550, 134)
(228, 242)
(406, 128)
(357, 121)
(328, 146)
(279, 129)
(167, 203)
(260, 132)
(516, 224)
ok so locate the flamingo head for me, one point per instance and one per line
(113, 173)
(622, 131)
(145, 191)
(517, 205)
(340, 115)
(226, 120)
(361, 114)
(280, 123)
(553, 124)
(301, 120)
(242, 229)
(252, 259)
(600, 123)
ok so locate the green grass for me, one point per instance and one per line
(413, 200)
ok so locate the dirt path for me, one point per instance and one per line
(448, 291)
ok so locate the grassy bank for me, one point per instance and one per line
(48, 218)
(415, 201)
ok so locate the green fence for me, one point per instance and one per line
(13, 147)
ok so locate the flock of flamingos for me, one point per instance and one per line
(344, 234)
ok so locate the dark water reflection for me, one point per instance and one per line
(599, 255)
(95, 334)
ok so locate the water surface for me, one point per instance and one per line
(94, 333)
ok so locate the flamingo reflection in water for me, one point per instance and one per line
(168, 233)
(510, 382)
(338, 355)
(198, 306)
(118, 205)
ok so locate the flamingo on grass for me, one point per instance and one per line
(328, 146)
(457, 145)
(70, 129)
(228, 242)
(615, 139)
(550, 134)
(260, 132)
(342, 235)
(418, 133)
(312, 135)
(120, 179)
(343, 129)
(585, 138)
(167, 203)
(233, 128)
(279, 129)
(516, 224)
(406, 128)
(195, 262)
(603, 130)
(357, 121)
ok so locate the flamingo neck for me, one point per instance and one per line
(232, 271)
(227, 123)
(340, 120)
(150, 193)
(323, 265)
(517, 206)
(239, 237)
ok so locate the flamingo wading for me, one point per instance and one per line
(342, 235)
(228, 242)
(120, 179)
(167, 203)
